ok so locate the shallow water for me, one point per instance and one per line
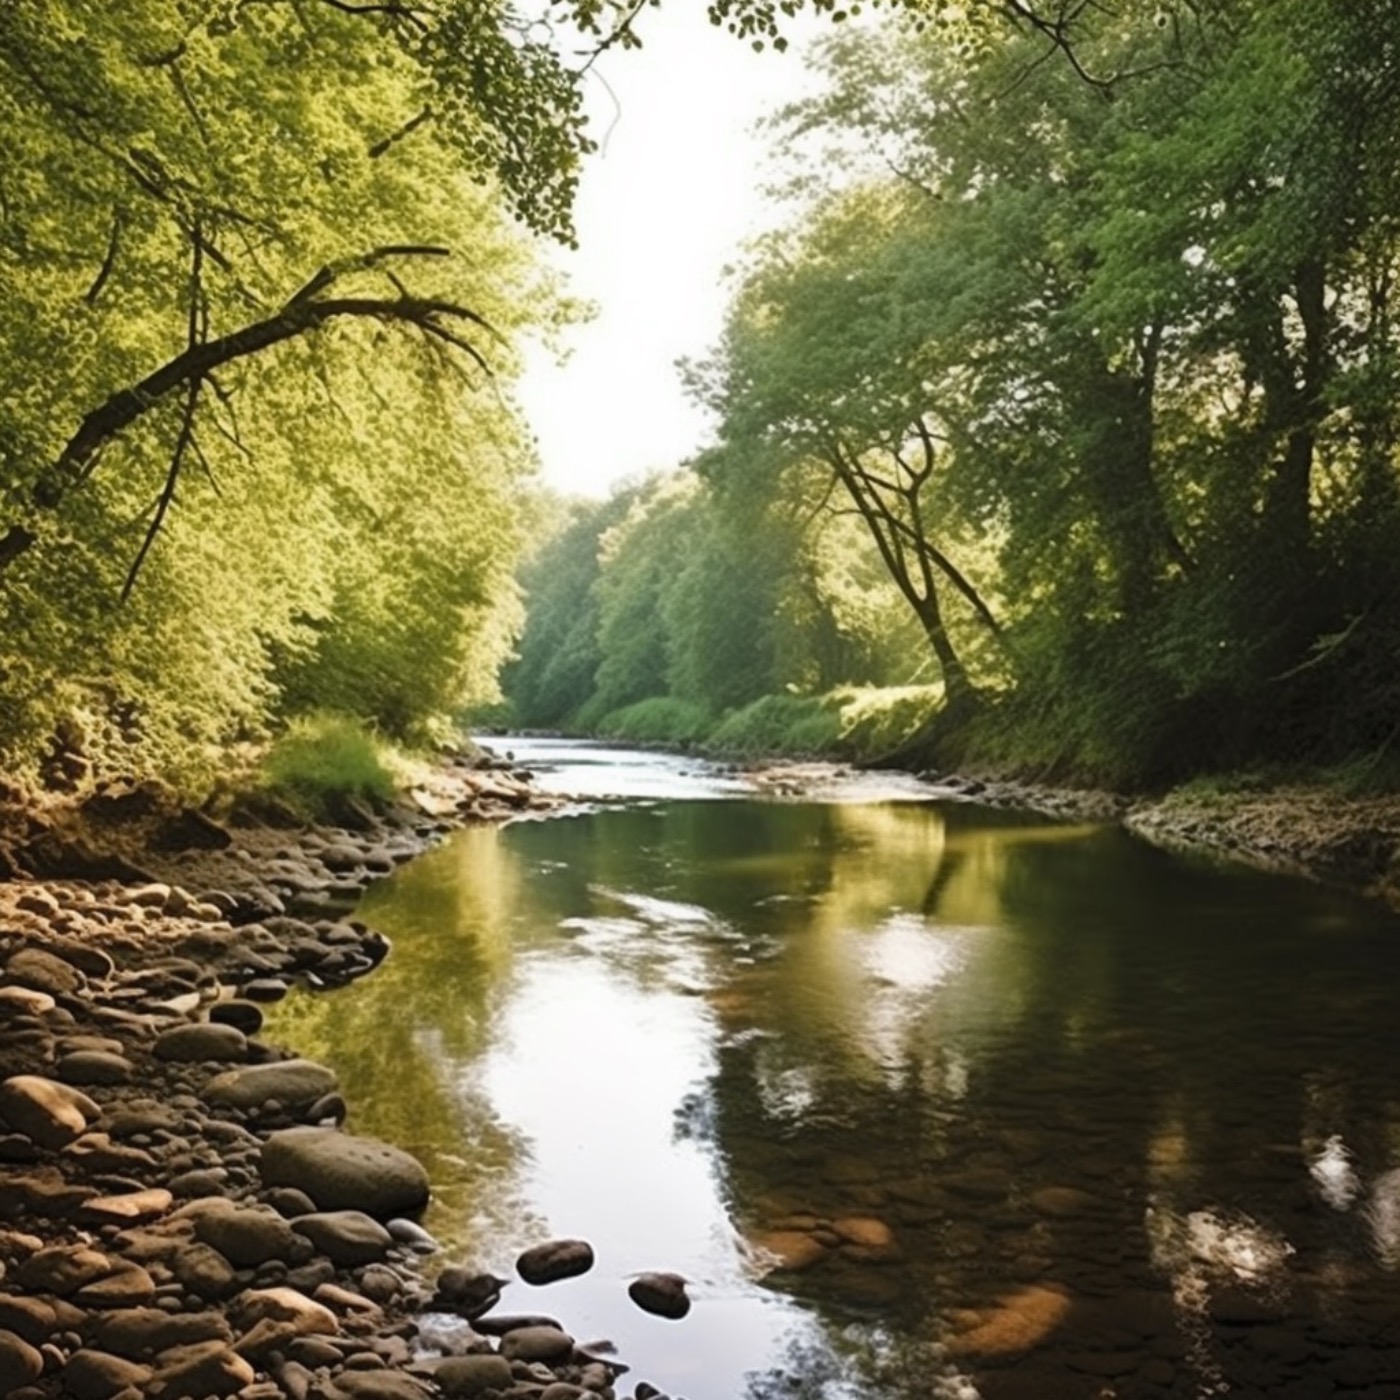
(1047, 1112)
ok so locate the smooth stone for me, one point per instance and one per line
(865, 1231)
(246, 1235)
(128, 1286)
(411, 1233)
(43, 971)
(199, 1181)
(29, 1318)
(465, 1377)
(205, 1040)
(265, 989)
(380, 1385)
(245, 1015)
(660, 1293)
(203, 1272)
(792, 1249)
(290, 1082)
(342, 1172)
(305, 1315)
(554, 1260)
(62, 1269)
(207, 1368)
(345, 1237)
(129, 1209)
(537, 1344)
(288, 1201)
(20, 1363)
(94, 1067)
(25, 1001)
(47, 1112)
(137, 1333)
(98, 1375)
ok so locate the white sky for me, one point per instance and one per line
(662, 208)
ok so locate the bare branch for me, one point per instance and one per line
(110, 259)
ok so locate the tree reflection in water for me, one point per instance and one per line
(1017, 1110)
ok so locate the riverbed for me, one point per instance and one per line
(922, 1098)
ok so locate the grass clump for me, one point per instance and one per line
(326, 765)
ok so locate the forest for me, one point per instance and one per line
(1055, 422)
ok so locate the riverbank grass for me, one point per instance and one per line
(325, 763)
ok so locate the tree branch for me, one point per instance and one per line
(304, 314)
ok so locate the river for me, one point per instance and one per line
(923, 1099)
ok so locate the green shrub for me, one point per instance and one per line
(658, 720)
(325, 764)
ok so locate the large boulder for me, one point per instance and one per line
(342, 1172)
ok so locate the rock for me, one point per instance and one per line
(466, 1377)
(546, 1344)
(199, 1181)
(554, 1260)
(1017, 1322)
(208, 1368)
(127, 1286)
(62, 1269)
(789, 1249)
(246, 1235)
(128, 1209)
(265, 989)
(467, 1291)
(235, 1012)
(305, 1316)
(94, 1067)
(30, 1318)
(20, 1363)
(43, 971)
(98, 1375)
(292, 1083)
(380, 1284)
(342, 1172)
(380, 1385)
(865, 1231)
(203, 1272)
(25, 1001)
(137, 1333)
(660, 1293)
(205, 1040)
(47, 1112)
(345, 1237)
(289, 1202)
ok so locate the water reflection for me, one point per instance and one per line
(922, 1101)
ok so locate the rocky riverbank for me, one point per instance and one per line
(181, 1214)
(1315, 832)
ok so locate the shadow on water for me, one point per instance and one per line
(923, 1101)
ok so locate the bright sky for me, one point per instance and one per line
(662, 208)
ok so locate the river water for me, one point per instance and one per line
(923, 1099)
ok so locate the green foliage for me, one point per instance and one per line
(325, 761)
(330, 520)
(658, 720)
(1116, 342)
